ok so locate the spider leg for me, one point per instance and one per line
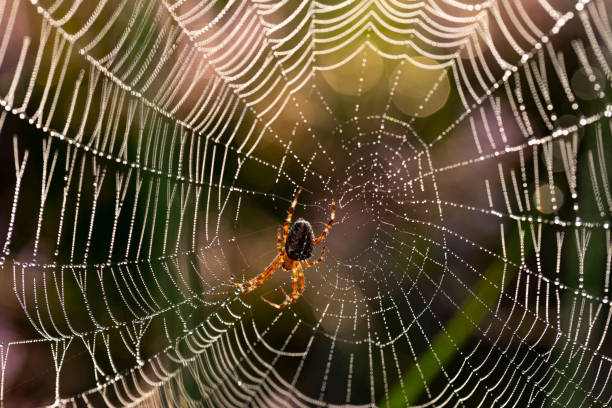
(290, 214)
(259, 279)
(308, 264)
(279, 243)
(288, 298)
(279, 306)
(295, 280)
(329, 224)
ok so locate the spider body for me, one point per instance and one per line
(300, 240)
(294, 247)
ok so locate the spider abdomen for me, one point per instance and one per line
(300, 240)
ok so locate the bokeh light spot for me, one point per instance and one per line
(548, 199)
(358, 75)
(420, 92)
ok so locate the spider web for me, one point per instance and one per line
(153, 147)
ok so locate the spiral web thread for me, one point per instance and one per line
(146, 135)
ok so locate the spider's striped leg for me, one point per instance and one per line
(279, 243)
(261, 278)
(279, 306)
(297, 290)
(329, 224)
(290, 214)
(297, 268)
(287, 297)
(308, 264)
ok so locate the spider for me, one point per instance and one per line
(294, 248)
